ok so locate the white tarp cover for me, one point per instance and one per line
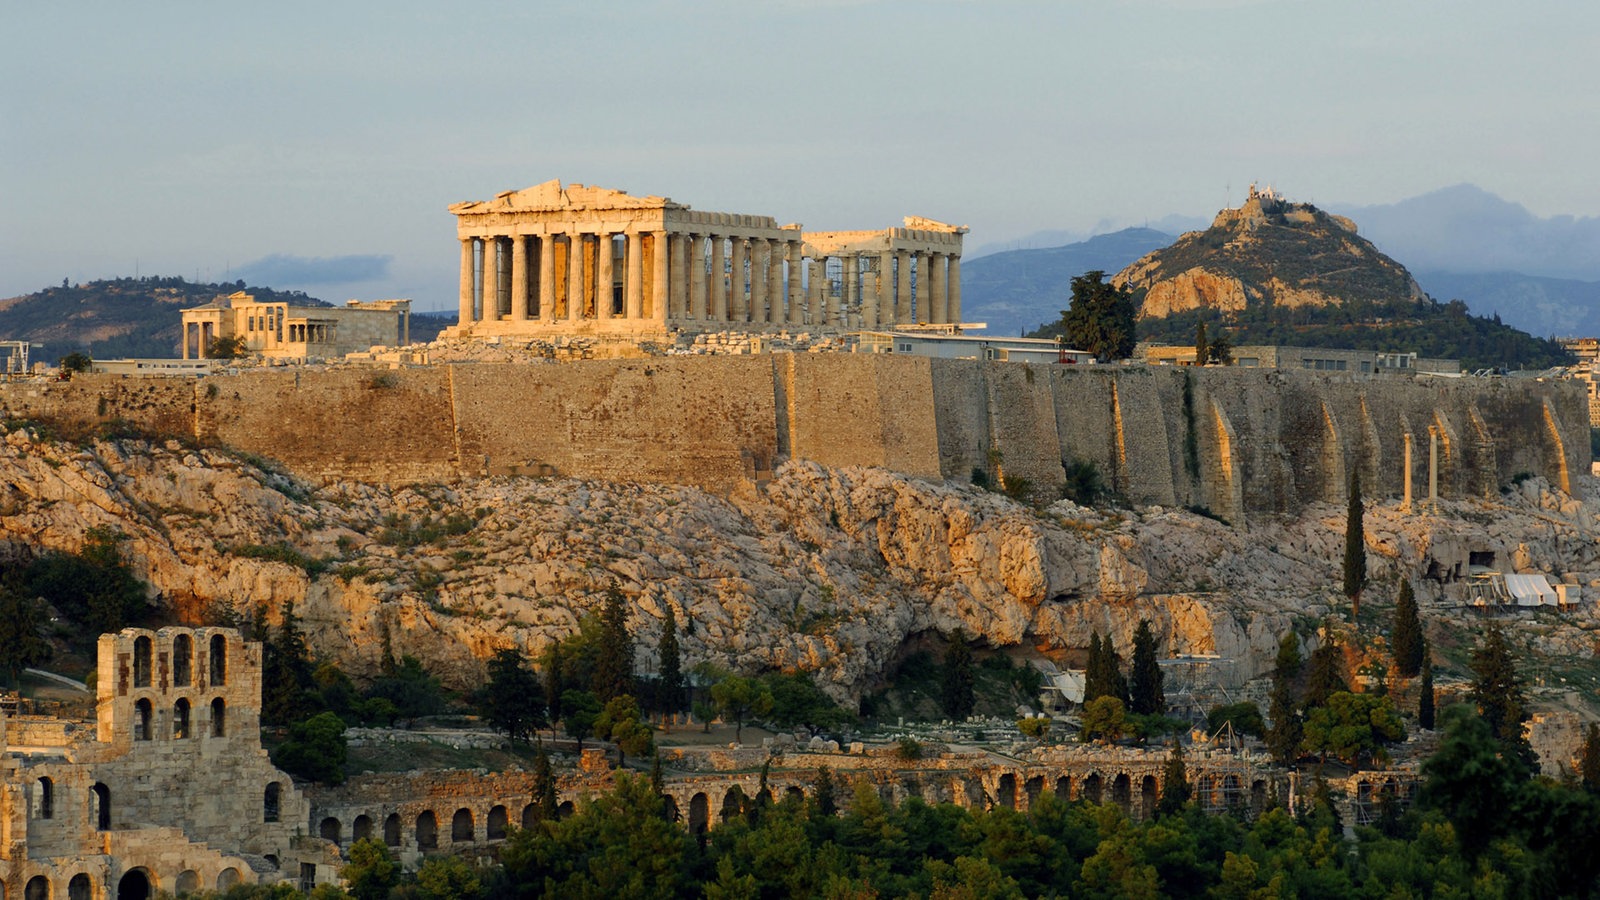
(1070, 684)
(1531, 590)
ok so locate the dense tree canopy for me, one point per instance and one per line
(1100, 319)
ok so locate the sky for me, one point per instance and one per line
(317, 145)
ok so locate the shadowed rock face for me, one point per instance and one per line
(1268, 252)
(823, 569)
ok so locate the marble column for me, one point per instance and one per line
(797, 306)
(834, 302)
(678, 283)
(464, 311)
(886, 288)
(738, 301)
(775, 313)
(659, 244)
(815, 273)
(547, 278)
(869, 298)
(902, 287)
(719, 280)
(922, 288)
(940, 314)
(502, 284)
(576, 251)
(519, 278)
(634, 290)
(849, 289)
(605, 258)
(697, 277)
(954, 288)
(760, 258)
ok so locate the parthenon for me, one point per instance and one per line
(553, 260)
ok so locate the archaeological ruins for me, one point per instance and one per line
(583, 260)
(281, 331)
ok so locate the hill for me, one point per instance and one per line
(1015, 290)
(1564, 307)
(135, 317)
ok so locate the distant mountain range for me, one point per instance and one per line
(1540, 275)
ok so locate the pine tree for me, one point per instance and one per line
(613, 675)
(554, 683)
(286, 673)
(1425, 699)
(1497, 692)
(512, 700)
(671, 681)
(956, 692)
(1589, 759)
(1325, 678)
(1283, 738)
(1355, 547)
(1175, 791)
(1145, 681)
(1202, 348)
(20, 643)
(1101, 317)
(823, 796)
(544, 787)
(1406, 639)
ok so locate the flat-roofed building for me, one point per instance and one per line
(970, 346)
(281, 331)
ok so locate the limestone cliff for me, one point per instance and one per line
(1269, 253)
(831, 570)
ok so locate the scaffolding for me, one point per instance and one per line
(15, 360)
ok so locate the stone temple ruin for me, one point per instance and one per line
(584, 260)
(170, 789)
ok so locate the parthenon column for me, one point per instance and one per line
(519, 278)
(547, 278)
(902, 287)
(575, 255)
(954, 288)
(604, 279)
(464, 313)
(774, 283)
(850, 288)
(797, 306)
(660, 241)
(940, 313)
(815, 273)
(719, 280)
(922, 287)
(502, 284)
(738, 302)
(886, 288)
(678, 285)
(835, 302)
(697, 277)
(869, 299)
(760, 256)
(634, 291)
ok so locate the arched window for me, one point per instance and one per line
(329, 830)
(182, 660)
(100, 806)
(271, 801)
(80, 888)
(188, 882)
(47, 799)
(219, 715)
(461, 826)
(427, 832)
(219, 660)
(180, 718)
(141, 720)
(497, 823)
(361, 829)
(141, 661)
(38, 888)
(391, 830)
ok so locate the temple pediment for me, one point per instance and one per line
(922, 223)
(552, 197)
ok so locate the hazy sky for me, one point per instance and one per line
(318, 144)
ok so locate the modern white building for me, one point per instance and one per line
(969, 346)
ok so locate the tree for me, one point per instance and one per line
(1589, 759)
(544, 786)
(956, 690)
(621, 723)
(1497, 692)
(1350, 725)
(286, 675)
(76, 363)
(1145, 681)
(1100, 319)
(554, 685)
(512, 701)
(1406, 639)
(798, 701)
(669, 686)
(315, 750)
(1244, 716)
(1175, 790)
(1105, 718)
(613, 675)
(228, 347)
(1036, 727)
(20, 620)
(741, 699)
(1202, 347)
(1325, 678)
(1355, 546)
(1104, 675)
(447, 878)
(1425, 699)
(94, 586)
(1283, 738)
(372, 872)
(581, 708)
(1221, 350)
(413, 691)
(824, 798)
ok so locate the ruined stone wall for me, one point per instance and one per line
(1233, 440)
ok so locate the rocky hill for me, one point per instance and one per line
(1268, 252)
(132, 317)
(837, 571)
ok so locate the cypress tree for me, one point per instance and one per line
(613, 670)
(1175, 791)
(1324, 680)
(285, 673)
(1406, 639)
(544, 787)
(1355, 547)
(1425, 698)
(554, 684)
(671, 682)
(1112, 663)
(1145, 682)
(956, 691)
(1202, 348)
(1283, 738)
(1589, 759)
(1497, 692)
(1094, 686)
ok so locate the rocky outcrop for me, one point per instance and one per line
(829, 570)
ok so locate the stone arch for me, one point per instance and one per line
(188, 882)
(361, 828)
(671, 808)
(530, 814)
(100, 806)
(136, 885)
(973, 791)
(180, 718)
(1006, 791)
(565, 810)
(81, 888)
(218, 661)
(1064, 788)
(794, 792)
(182, 660)
(732, 803)
(699, 812)
(219, 717)
(45, 798)
(495, 830)
(1034, 787)
(37, 888)
(1093, 788)
(1122, 792)
(427, 831)
(330, 830)
(141, 660)
(271, 801)
(1149, 795)
(143, 713)
(227, 878)
(461, 826)
(1258, 796)
(391, 830)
